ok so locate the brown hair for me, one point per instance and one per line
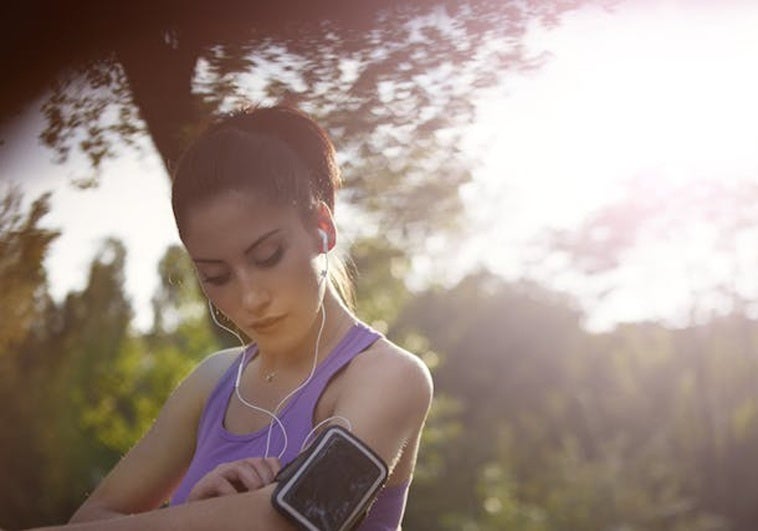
(278, 151)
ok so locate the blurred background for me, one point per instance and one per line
(552, 203)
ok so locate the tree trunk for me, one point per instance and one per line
(159, 69)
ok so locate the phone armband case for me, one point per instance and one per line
(332, 484)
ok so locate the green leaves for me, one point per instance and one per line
(536, 424)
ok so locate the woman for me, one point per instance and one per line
(253, 199)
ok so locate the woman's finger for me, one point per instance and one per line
(265, 468)
(222, 487)
(237, 476)
(211, 486)
(249, 476)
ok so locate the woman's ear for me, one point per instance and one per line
(325, 225)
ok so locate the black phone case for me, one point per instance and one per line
(287, 473)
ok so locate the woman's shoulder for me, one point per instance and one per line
(220, 360)
(203, 379)
(214, 365)
(386, 365)
(386, 392)
(395, 358)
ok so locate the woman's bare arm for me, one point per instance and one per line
(250, 511)
(149, 472)
(386, 397)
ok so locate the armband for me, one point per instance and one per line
(332, 484)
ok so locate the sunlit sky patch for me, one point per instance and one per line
(656, 90)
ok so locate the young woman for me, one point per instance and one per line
(253, 199)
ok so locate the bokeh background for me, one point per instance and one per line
(551, 203)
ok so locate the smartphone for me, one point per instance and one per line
(331, 485)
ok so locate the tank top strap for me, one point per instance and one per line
(298, 414)
(355, 341)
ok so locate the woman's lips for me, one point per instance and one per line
(263, 325)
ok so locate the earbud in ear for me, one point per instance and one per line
(324, 250)
(324, 240)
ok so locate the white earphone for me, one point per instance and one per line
(324, 249)
(324, 240)
(243, 361)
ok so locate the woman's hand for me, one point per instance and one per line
(236, 476)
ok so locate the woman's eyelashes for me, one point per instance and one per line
(216, 280)
(270, 259)
(260, 259)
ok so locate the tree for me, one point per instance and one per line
(717, 421)
(95, 385)
(23, 315)
(539, 425)
(505, 357)
(391, 80)
(80, 357)
(23, 247)
(149, 366)
(379, 270)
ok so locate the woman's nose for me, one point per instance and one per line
(253, 295)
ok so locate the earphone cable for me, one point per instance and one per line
(273, 414)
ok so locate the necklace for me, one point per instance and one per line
(270, 377)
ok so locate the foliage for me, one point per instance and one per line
(379, 271)
(79, 387)
(393, 82)
(559, 429)
(93, 328)
(23, 247)
(536, 424)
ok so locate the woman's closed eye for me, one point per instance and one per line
(216, 280)
(263, 258)
(269, 259)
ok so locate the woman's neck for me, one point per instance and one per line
(317, 342)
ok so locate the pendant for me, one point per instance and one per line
(270, 377)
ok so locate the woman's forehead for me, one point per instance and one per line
(230, 219)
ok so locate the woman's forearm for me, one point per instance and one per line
(246, 511)
(91, 513)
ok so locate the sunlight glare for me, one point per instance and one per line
(662, 91)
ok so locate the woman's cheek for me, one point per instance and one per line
(222, 298)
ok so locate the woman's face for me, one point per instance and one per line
(258, 264)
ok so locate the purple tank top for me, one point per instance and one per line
(216, 445)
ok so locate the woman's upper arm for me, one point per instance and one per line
(386, 399)
(147, 474)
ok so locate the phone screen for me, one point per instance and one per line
(331, 488)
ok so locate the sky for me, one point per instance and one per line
(131, 203)
(658, 89)
(663, 91)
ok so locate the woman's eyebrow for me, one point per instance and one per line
(249, 248)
